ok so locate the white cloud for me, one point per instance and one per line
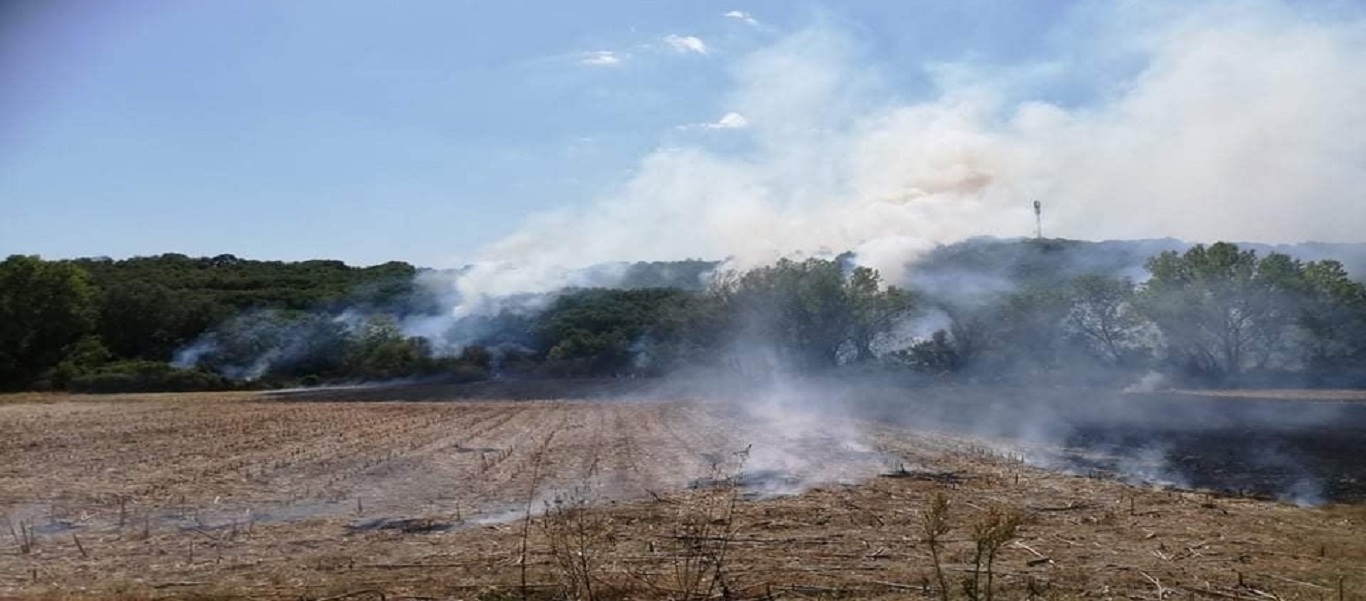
(730, 120)
(683, 44)
(1234, 127)
(740, 15)
(600, 58)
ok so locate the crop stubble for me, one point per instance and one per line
(166, 495)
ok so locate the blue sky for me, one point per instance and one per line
(370, 131)
(426, 130)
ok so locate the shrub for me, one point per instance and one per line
(146, 376)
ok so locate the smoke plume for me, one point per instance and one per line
(1237, 122)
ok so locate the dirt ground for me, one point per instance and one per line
(316, 496)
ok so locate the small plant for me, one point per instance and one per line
(537, 458)
(993, 529)
(576, 535)
(934, 524)
(703, 530)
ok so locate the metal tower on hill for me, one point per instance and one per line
(1038, 220)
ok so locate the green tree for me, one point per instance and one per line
(381, 351)
(811, 313)
(144, 320)
(1103, 314)
(971, 333)
(1220, 309)
(604, 332)
(1029, 326)
(874, 310)
(45, 308)
(996, 334)
(86, 356)
(1333, 318)
(938, 355)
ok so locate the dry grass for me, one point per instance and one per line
(223, 496)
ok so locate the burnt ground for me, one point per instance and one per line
(370, 493)
(1280, 446)
(1302, 465)
(1301, 446)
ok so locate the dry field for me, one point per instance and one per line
(254, 496)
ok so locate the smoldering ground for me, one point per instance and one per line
(1291, 448)
(800, 432)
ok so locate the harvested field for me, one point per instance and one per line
(313, 496)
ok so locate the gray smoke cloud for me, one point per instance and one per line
(1239, 121)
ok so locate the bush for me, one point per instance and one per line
(146, 376)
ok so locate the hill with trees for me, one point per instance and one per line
(1028, 311)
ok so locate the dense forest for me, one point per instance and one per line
(101, 324)
(1037, 311)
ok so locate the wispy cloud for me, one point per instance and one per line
(600, 58)
(743, 16)
(684, 44)
(731, 120)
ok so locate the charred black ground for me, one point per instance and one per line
(1292, 446)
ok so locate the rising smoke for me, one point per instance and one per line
(1237, 122)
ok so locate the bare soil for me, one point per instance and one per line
(321, 494)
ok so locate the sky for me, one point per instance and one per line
(558, 134)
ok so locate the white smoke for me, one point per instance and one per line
(1149, 382)
(1240, 121)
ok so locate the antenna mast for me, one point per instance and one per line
(1038, 220)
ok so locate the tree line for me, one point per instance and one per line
(102, 324)
(1211, 315)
